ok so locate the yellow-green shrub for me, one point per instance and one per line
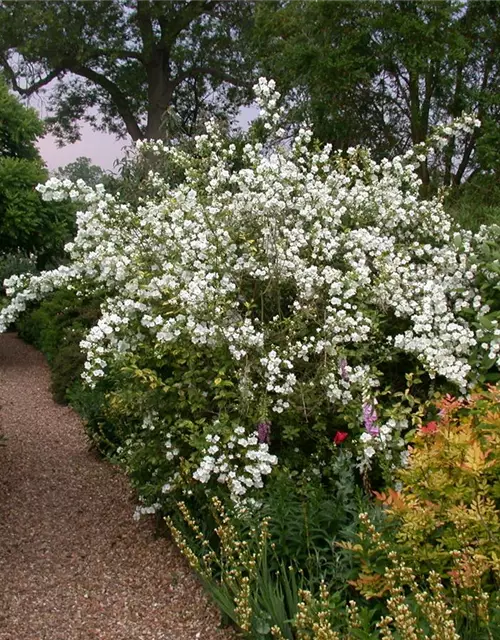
(450, 494)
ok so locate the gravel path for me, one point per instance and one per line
(73, 563)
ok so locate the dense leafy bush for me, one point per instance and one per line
(274, 299)
(445, 520)
(56, 327)
(273, 324)
(451, 487)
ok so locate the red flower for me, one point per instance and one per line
(430, 427)
(339, 437)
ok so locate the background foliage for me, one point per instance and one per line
(382, 74)
(133, 63)
(28, 226)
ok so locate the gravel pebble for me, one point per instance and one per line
(73, 563)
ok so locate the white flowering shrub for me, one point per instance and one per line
(280, 294)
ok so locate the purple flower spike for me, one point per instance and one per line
(343, 369)
(263, 432)
(369, 419)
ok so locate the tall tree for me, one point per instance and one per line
(28, 225)
(321, 54)
(438, 60)
(83, 169)
(384, 73)
(131, 61)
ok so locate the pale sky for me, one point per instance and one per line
(103, 149)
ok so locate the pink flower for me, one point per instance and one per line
(343, 370)
(369, 419)
(263, 432)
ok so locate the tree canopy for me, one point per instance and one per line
(28, 225)
(19, 127)
(380, 74)
(83, 169)
(383, 73)
(128, 60)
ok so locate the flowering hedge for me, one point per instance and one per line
(280, 301)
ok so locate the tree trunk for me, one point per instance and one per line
(160, 92)
(417, 127)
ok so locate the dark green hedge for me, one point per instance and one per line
(56, 327)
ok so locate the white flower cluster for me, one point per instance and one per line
(441, 136)
(290, 261)
(386, 441)
(170, 476)
(26, 289)
(146, 510)
(340, 386)
(239, 461)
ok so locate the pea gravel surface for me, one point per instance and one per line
(73, 563)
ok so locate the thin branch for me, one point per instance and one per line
(171, 29)
(211, 71)
(36, 86)
(119, 53)
(119, 98)
(469, 148)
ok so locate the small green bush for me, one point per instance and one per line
(56, 327)
(90, 405)
(66, 368)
